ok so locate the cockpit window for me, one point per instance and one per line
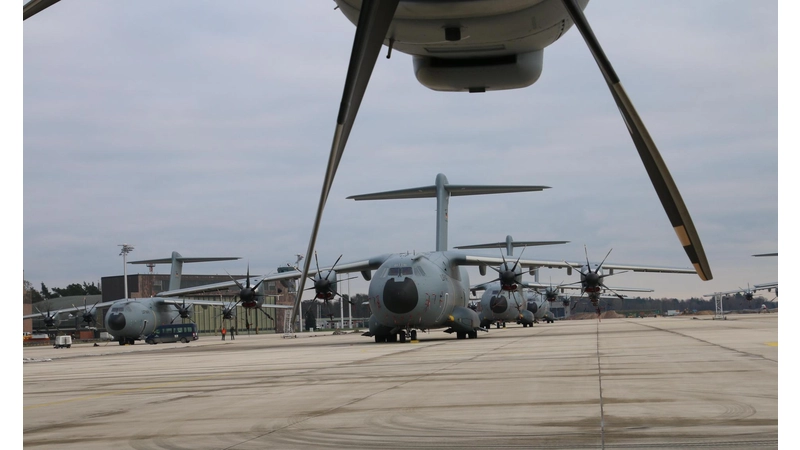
(117, 309)
(400, 271)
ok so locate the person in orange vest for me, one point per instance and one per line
(223, 333)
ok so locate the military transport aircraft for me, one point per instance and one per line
(508, 298)
(477, 46)
(749, 293)
(430, 290)
(132, 319)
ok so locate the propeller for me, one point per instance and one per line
(248, 296)
(229, 311)
(88, 313)
(748, 294)
(592, 280)
(509, 277)
(656, 168)
(49, 318)
(373, 25)
(184, 311)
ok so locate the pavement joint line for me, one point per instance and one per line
(703, 341)
(600, 386)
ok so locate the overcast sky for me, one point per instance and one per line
(204, 128)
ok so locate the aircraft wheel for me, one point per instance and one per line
(473, 335)
(413, 335)
(460, 335)
(402, 336)
(122, 342)
(504, 324)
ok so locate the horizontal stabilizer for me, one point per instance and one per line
(513, 244)
(454, 190)
(186, 260)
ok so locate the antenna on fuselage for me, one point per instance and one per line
(442, 191)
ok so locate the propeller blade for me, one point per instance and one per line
(603, 261)
(34, 7)
(333, 266)
(520, 257)
(656, 168)
(373, 24)
(239, 285)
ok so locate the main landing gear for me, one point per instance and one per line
(401, 336)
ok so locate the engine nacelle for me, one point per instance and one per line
(464, 320)
(479, 74)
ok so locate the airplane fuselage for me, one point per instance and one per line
(501, 306)
(130, 320)
(474, 45)
(422, 291)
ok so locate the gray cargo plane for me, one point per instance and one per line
(430, 290)
(129, 320)
(508, 298)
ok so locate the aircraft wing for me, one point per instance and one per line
(71, 309)
(475, 260)
(356, 266)
(738, 291)
(629, 289)
(169, 301)
(765, 286)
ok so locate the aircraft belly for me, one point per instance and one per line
(488, 27)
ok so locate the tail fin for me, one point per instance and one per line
(442, 191)
(177, 265)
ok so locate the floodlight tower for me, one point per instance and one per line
(124, 253)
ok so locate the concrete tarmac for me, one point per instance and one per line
(654, 383)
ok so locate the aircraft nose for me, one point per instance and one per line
(400, 297)
(498, 304)
(116, 322)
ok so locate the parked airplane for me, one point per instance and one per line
(423, 291)
(132, 319)
(508, 298)
(748, 293)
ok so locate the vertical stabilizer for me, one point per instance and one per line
(176, 271)
(176, 261)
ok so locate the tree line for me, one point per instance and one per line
(46, 294)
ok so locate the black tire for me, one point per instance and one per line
(460, 335)
(413, 335)
(473, 335)
(402, 336)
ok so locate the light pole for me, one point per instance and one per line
(124, 253)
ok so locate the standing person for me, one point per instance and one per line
(223, 333)
(233, 333)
